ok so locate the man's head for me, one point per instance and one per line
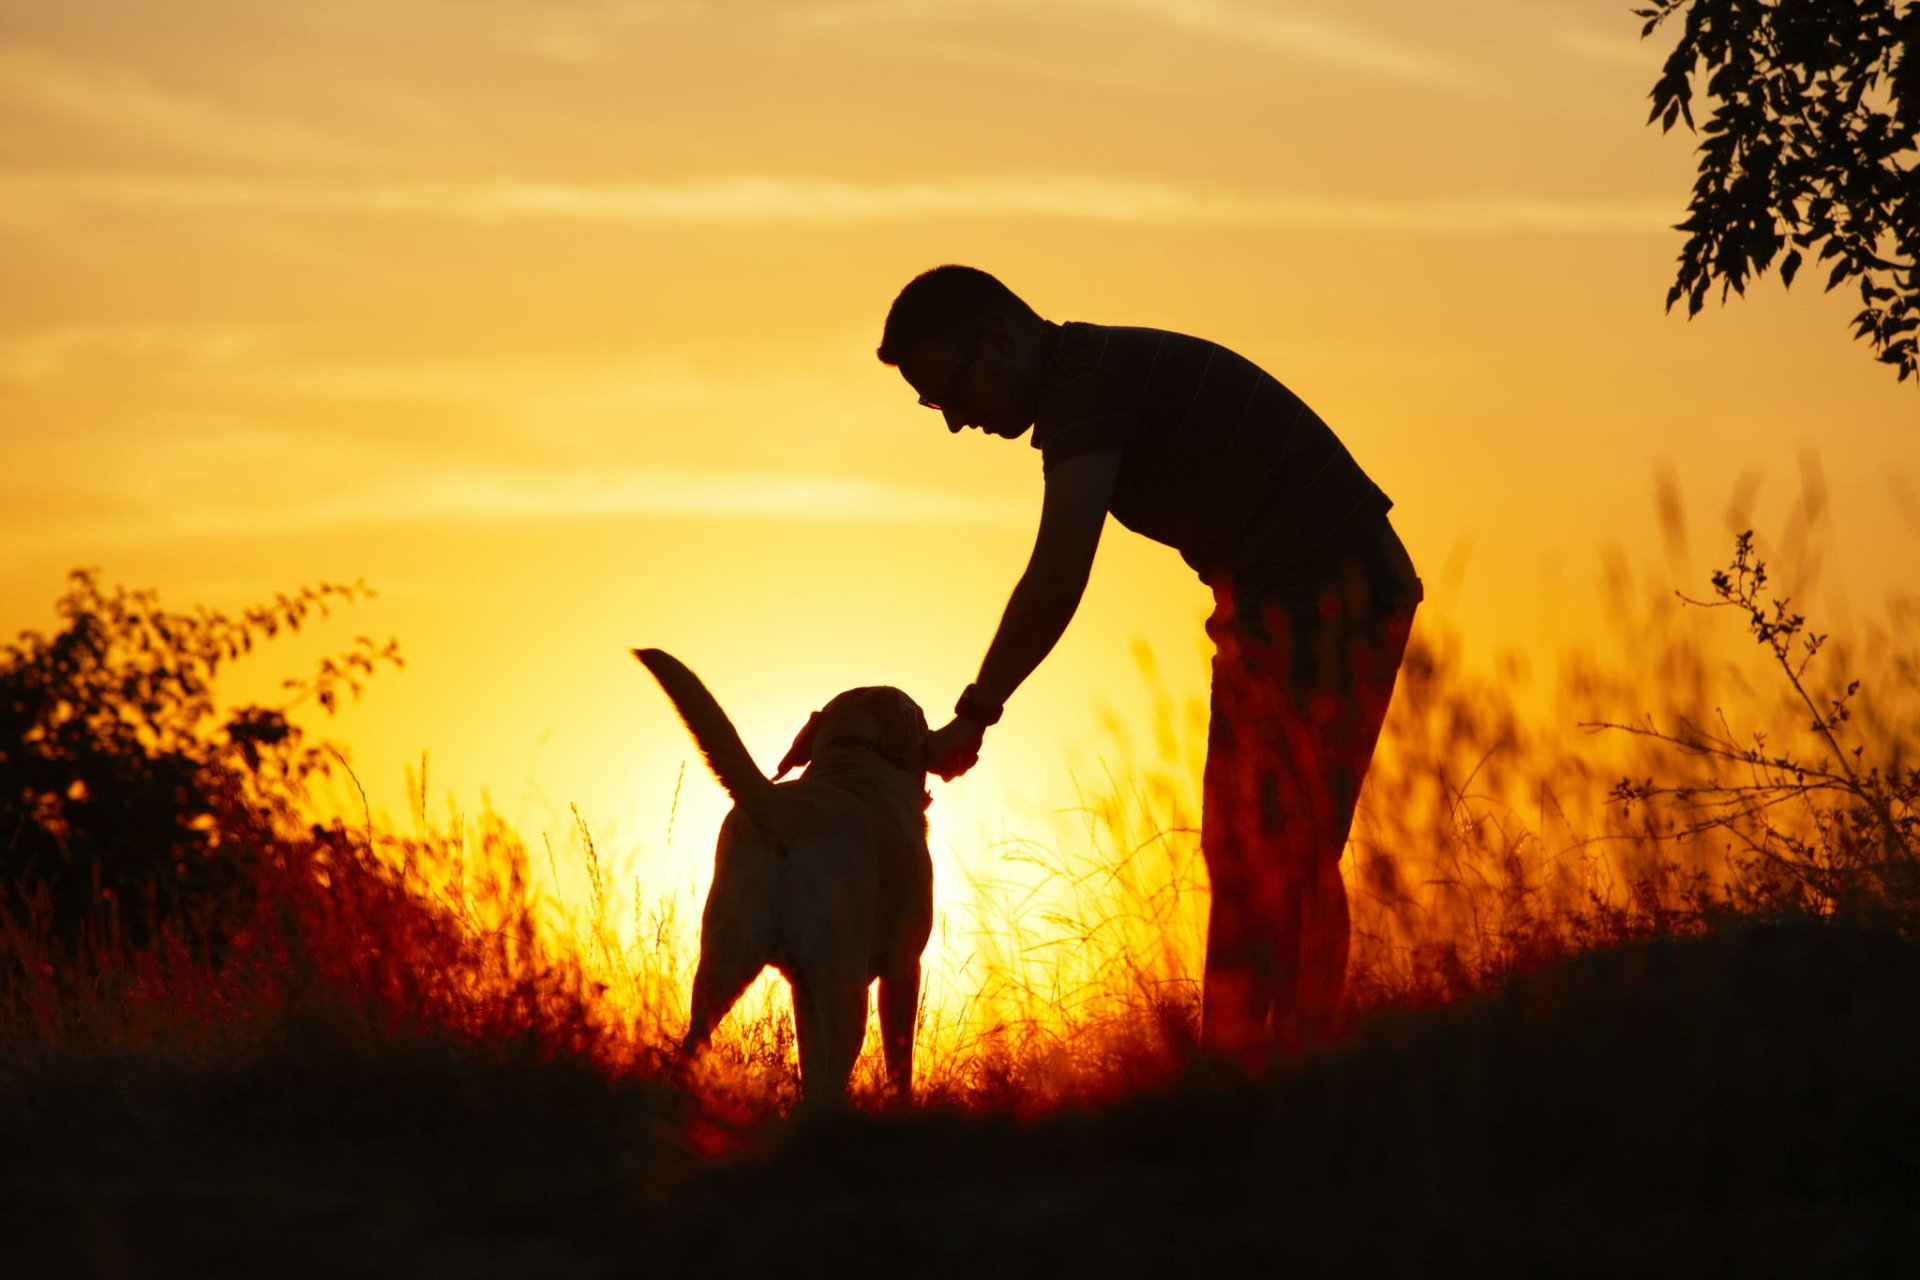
(969, 348)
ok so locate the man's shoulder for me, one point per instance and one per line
(1104, 381)
(1090, 391)
(1086, 332)
(1087, 348)
(1121, 345)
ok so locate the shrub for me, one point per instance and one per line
(126, 798)
(1825, 827)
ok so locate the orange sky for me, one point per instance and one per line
(555, 322)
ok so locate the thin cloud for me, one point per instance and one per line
(1312, 38)
(124, 102)
(1607, 48)
(762, 200)
(1295, 35)
(495, 498)
(680, 492)
(71, 353)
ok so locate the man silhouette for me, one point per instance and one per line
(1189, 444)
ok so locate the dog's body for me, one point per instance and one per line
(827, 878)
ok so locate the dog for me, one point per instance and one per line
(827, 878)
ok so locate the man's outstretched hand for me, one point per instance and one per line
(953, 750)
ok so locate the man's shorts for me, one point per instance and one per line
(1303, 670)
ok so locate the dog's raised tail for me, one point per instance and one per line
(719, 741)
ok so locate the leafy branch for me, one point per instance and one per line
(1837, 826)
(1810, 147)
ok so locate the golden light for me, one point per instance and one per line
(555, 322)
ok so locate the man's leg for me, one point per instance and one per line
(1326, 931)
(1277, 936)
(1237, 986)
(1266, 808)
(1332, 669)
(1364, 675)
(1296, 715)
(1237, 811)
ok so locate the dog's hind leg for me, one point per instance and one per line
(717, 983)
(830, 1024)
(899, 1012)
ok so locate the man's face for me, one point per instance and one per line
(970, 384)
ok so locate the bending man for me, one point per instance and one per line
(1195, 447)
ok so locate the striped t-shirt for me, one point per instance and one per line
(1219, 460)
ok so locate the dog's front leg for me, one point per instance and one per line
(899, 1014)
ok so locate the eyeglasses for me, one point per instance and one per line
(959, 375)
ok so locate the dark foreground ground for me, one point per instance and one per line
(1744, 1104)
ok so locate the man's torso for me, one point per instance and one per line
(1219, 460)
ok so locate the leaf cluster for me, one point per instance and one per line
(1824, 829)
(1810, 148)
(124, 789)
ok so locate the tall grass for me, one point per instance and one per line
(1491, 838)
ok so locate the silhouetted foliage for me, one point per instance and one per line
(1829, 830)
(125, 796)
(1811, 144)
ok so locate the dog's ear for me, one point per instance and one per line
(801, 752)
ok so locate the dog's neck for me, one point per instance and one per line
(848, 763)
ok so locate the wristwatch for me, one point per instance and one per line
(976, 708)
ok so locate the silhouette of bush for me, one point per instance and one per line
(128, 799)
(1825, 828)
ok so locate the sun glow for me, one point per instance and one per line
(1065, 957)
(555, 323)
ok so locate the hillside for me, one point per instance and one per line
(1739, 1103)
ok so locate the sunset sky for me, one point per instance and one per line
(555, 322)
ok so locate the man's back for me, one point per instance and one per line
(1221, 461)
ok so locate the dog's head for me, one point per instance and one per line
(880, 718)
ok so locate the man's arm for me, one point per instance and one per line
(1072, 514)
